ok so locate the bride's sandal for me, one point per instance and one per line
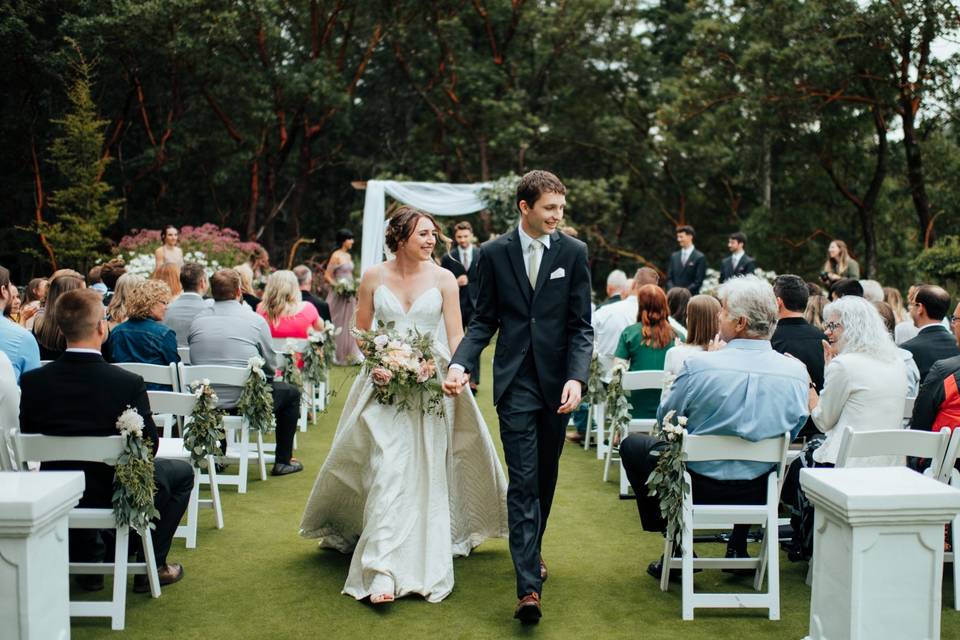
(381, 598)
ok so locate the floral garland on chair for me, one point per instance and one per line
(290, 372)
(256, 399)
(204, 431)
(134, 485)
(595, 391)
(667, 480)
(618, 407)
(320, 351)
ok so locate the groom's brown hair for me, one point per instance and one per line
(535, 183)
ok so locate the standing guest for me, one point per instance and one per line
(610, 321)
(933, 342)
(865, 387)
(143, 337)
(702, 326)
(168, 252)
(905, 329)
(33, 298)
(81, 395)
(794, 335)
(110, 272)
(872, 291)
(892, 297)
(913, 374)
(813, 314)
(15, 341)
(190, 303)
(287, 315)
(246, 285)
(46, 329)
(839, 264)
(342, 308)
(460, 260)
(616, 287)
(117, 309)
(93, 279)
(678, 298)
(643, 346)
(845, 287)
(687, 266)
(738, 263)
(745, 389)
(170, 274)
(230, 335)
(305, 279)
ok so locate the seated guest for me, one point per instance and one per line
(46, 329)
(913, 374)
(794, 335)
(81, 395)
(94, 281)
(677, 299)
(230, 335)
(169, 273)
(955, 324)
(110, 273)
(644, 345)
(845, 287)
(864, 387)
(9, 410)
(905, 329)
(15, 341)
(616, 287)
(933, 341)
(872, 291)
(117, 309)
(745, 389)
(702, 326)
(143, 337)
(246, 282)
(305, 279)
(190, 304)
(287, 315)
(813, 314)
(610, 321)
(34, 296)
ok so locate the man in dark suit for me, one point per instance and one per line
(687, 266)
(795, 336)
(534, 289)
(461, 262)
(305, 279)
(738, 263)
(81, 395)
(934, 342)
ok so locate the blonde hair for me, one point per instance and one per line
(814, 311)
(117, 309)
(246, 277)
(143, 296)
(838, 266)
(169, 273)
(281, 297)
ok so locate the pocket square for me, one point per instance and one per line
(559, 273)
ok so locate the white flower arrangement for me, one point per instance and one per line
(130, 423)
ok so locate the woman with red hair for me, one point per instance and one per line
(643, 346)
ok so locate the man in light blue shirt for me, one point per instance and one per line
(745, 389)
(15, 341)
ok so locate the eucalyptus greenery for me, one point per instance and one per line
(314, 363)
(256, 398)
(203, 432)
(290, 371)
(595, 391)
(618, 407)
(134, 485)
(668, 480)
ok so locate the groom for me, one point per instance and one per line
(534, 288)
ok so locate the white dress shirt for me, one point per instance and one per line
(526, 241)
(608, 323)
(466, 256)
(735, 258)
(686, 253)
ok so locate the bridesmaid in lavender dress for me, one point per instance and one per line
(340, 267)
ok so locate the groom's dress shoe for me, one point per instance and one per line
(528, 609)
(543, 570)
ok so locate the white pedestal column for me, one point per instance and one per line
(877, 552)
(34, 587)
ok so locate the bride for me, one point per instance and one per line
(404, 490)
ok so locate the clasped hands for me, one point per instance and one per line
(570, 397)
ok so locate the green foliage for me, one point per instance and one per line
(941, 262)
(203, 432)
(134, 485)
(256, 398)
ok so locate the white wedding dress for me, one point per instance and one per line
(406, 491)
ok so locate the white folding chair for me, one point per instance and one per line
(898, 442)
(165, 374)
(595, 428)
(283, 346)
(239, 447)
(908, 409)
(950, 475)
(105, 449)
(702, 516)
(184, 353)
(632, 381)
(181, 406)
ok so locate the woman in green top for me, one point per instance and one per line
(643, 346)
(839, 264)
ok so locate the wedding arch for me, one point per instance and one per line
(438, 198)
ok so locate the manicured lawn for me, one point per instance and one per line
(256, 578)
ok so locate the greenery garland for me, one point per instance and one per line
(256, 398)
(315, 361)
(134, 485)
(618, 407)
(290, 371)
(595, 391)
(667, 480)
(204, 431)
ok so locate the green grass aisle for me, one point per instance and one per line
(257, 578)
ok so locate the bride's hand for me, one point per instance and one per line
(455, 382)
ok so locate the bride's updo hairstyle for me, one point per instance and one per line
(404, 222)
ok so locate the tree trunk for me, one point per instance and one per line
(915, 177)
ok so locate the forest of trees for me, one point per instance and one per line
(795, 121)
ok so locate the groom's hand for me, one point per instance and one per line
(455, 381)
(570, 398)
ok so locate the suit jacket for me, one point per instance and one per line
(80, 394)
(182, 311)
(551, 320)
(804, 342)
(747, 265)
(322, 307)
(468, 294)
(934, 342)
(689, 275)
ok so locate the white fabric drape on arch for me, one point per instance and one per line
(438, 198)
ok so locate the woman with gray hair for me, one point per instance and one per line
(864, 387)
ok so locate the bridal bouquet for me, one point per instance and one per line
(345, 288)
(134, 484)
(667, 480)
(402, 368)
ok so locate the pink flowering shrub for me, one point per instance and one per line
(218, 246)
